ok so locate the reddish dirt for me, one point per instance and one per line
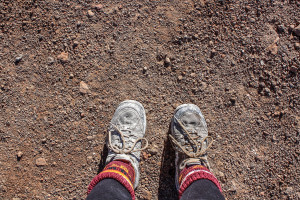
(237, 60)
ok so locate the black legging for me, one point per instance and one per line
(110, 189)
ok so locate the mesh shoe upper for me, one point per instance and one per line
(189, 137)
(126, 133)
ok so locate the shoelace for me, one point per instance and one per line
(123, 150)
(200, 152)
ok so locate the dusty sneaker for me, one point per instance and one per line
(189, 137)
(126, 134)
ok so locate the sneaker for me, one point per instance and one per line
(126, 134)
(189, 137)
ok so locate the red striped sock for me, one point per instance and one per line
(119, 170)
(192, 173)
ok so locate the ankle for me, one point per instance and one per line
(193, 173)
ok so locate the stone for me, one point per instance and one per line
(154, 150)
(210, 43)
(297, 45)
(40, 162)
(84, 88)
(180, 77)
(280, 29)
(98, 6)
(193, 75)
(19, 155)
(252, 20)
(63, 57)
(75, 44)
(273, 49)
(146, 194)
(71, 75)
(50, 60)
(90, 137)
(90, 13)
(293, 69)
(297, 31)
(18, 58)
(167, 61)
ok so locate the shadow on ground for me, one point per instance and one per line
(167, 189)
(104, 154)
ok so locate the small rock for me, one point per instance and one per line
(180, 77)
(75, 44)
(267, 91)
(40, 162)
(193, 75)
(252, 20)
(210, 43)
(89, 159)
(146, 194)
(153, 150)
(213, 53)
(19, 155)
(90, 137)
(16, 199)
(297, 45)
(50, 60)
(18, 58)
(79, 23)
(90, 13)
(98, 6)
(297, 31)
(145, 70)
(280, 29)
(63, 57)
(293, 69)
(44, 140)
(273, 49)
(145, 155)
(83, 87)
(71, 75)
(167, 61)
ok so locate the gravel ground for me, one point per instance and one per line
(66, 65)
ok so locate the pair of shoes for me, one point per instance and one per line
(189, 136)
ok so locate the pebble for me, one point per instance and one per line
(252, 20)
(193, 75)
(40, 162)
(50, 60)
(64, 57)
(280, 29)
(274, 49)
(18, 58)
(297, 30)
(146, 194)
(180, 77)
(98, 6)
(267, 91)
(84, 88)
(297, 45)
(91, 13)
(293, 69)
(153, 150)
(90, 137)
(213, 53)
(71, 75)
(210, 43)
(19, 154)
(167, 61)
(75, 44)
